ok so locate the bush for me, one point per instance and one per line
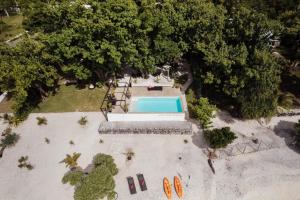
(41, 121)
(297, 137)
(219, 138)
(107, 161)
(72, 177)
(97, 185)
(83, 121)
(200, 109)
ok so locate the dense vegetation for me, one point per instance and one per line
(219, 138)
(228, 43)
(297, 136)
(98, 183)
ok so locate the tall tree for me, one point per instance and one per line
(25, 74)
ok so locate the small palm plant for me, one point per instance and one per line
(83, 121)
(8, 141)
(71, 160)
(41, 121)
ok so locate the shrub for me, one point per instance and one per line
(72, 177)
(219, 138)
(83, 121)
(286, 100)
(97, 185)
(107, 161)
(41, 121)
(9, 140)
(297, 137)
(23, 163)
(200, 109)
(47, 140)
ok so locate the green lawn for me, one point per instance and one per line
(70, 99)
(5, 106)
(12, 28)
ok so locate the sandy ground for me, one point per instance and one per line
(272, 174)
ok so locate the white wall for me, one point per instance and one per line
(146, 116)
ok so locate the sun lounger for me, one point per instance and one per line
(142, 182)
(160, 88)
(131, 185)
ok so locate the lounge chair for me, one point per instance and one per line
(160, 88)
(131, 185)
(142, 182)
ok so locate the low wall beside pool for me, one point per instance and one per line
(146, 116)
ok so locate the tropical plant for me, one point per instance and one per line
(219, 138)
(83, 121)
(23, 162)
(71, 160)
(297, 136)
(41, 121)
(98, 183)
(200, 109)
(8, 141)
(73, 177)
(286, 100)
(47, 140)
(129, 154)
(7, 131)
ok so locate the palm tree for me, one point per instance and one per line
(71, 160)
(8, 141)
(286, 100)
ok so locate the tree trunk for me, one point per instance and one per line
(6, 12)
(42, 91)
(1, 151)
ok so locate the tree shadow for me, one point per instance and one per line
(199, 140)
(286, 130)
(225, 116)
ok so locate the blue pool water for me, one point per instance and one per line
(156, 104)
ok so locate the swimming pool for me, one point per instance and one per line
(156, 105)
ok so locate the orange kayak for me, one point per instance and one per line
(167, 188)
(178, 187)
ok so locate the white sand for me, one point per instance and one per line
(273, 174)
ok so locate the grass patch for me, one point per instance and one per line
(12, 28)
(70, 99)
(5, 106)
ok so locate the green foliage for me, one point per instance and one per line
(9, 140)
(230, 39)
(73, 177)
(83, 121)
(107, 161)
(259, 97)
(97, 185)
(219, 138)
(286, 100)
(200, 109)
(25, 74)
(297, 136)
(41, 121)
(23, 162)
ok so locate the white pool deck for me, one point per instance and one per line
(119, 115)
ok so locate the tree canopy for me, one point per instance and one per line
(93, 40)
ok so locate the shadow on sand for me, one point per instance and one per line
(286, 130)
